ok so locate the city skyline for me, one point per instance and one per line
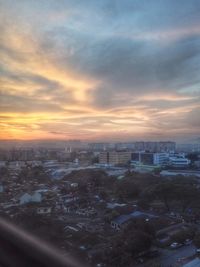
(100, 70)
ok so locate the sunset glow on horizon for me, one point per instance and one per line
(100, 70)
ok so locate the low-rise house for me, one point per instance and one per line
(93, 227)
(74, 185)
(70, 209)
(70, 228)
(86, 212)
(44, 210)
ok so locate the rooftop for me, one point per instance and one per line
(124, 218)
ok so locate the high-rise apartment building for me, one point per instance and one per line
(165, 146)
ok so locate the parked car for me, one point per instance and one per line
(175, 245)
(198, 250)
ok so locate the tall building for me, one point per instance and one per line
(165, 146)
(100, 146)
(104, 157)
(149, 158)
(114, 157)
(125, 146)
(20, 154)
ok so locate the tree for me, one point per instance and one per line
(82, 188)
(157, 171)
(137, 242)
(143, 203)
(103, 195)
(185, 194)
(126, 247)
(162, 191)
(126, 188)
(45, 228)
(117, 257)
(142, 225)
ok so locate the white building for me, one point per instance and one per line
(160, 158)
(179, 162)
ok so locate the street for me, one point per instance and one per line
(169, 256)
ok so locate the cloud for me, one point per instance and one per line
(193, 118)
(97, 69)
(22, 104)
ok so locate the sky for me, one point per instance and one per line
(100, 70)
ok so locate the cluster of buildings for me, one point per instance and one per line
(147, 153)
(61, 154)
(137, 154)
(17, 154)
(165, 146)
(143, 158)
(65, 200)
(31, 150)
